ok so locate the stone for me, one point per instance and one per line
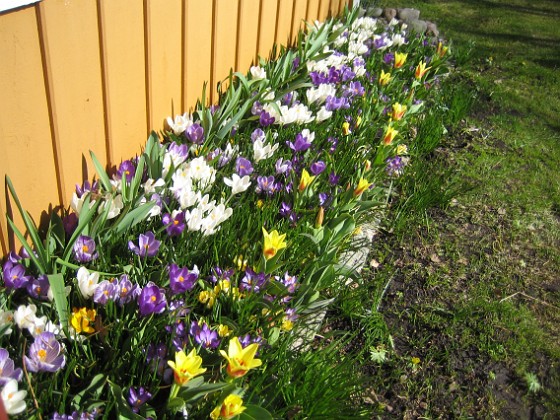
(432, 29)
(389, 14)
(418, 26)
(408, 15)
(375, 12)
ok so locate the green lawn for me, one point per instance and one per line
(466, 278)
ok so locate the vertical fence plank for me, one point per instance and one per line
(225, 41)
(25, 133)
(267, 27)
(284, 25)
(122, 37)
(312, 10)
(71, 47)
(298, 17)
(197, 50)
(324, 7)
(164, 60)
(248, 32)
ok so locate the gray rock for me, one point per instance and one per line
(375, 12)
(432, 29)
(418, 26)
(408, 14)
(389, 14)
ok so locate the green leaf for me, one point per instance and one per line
(125, 412)
(254, 412)
(38, 263)
(56, 282)
(133, 217)
(103, 177)
(95, 387)
(197, 388)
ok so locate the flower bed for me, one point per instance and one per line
(185, 281)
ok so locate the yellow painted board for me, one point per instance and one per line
(247, 40)
(164, 60)
(197, 50)
(26, 154)
(299, 16)
(312, 10)
(122, 35)
(73, 71)
(267, 27)
(225, 41)
(324, 8)
(284, 25)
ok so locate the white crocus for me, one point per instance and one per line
(180, 123)
(25, 316)
(50, 294)
(320, 93)
(87, 282)
(77, 203)
(238, 184)
(260, 151)
(151, 185)
(115, 206)
(13, 399)
(323, 114)
(258, 73)
(6, 320)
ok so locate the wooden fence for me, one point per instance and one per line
(80, 75)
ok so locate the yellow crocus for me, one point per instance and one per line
(400, 59)
(273, 242)
(363, 185)
(223, 330)
(305, 180)
(389, 135)
(441, 50)
(81, 320)
(230, 407)
(384, 78)
(240, 360)
(402, 149)
(185, 367)
(421, 70)
(207, 297)
(346, 128)
(398, 111)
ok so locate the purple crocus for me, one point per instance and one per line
(136, 398)
(395, 166)
(243, 166)
(84, 249)
(126, 291)
(258, 134)
(220, 274)
(7, 370)
(127, 169)
(333, 103)
(301, 144)
(151, 300)
(38, 287)
(179, 152)
(148, 245)
(195, 133)
(105, 291)
(265, 119)
(174, 224)
(181, 279)
(323, 199)
(86, 188)
(283, 166)
(14, 275)
(266, 184)
(257, 108)
(205, 336)
(45, 354)
(334, 179)
(253, 281)
(317, 167)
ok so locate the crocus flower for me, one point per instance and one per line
(273, 242)
(45, 354)
(346, 128)
(148, 245)
(82, 319)
(136, 398)
(87, 282)
(253, 281)
(389, 135)
(14, 400)
(174, 223)
(126, 291)
(186, 367)
(441, 50)
(7, 371)
(240, 360)
(105, 291)
(421, 70)
(230, 407)
(265, 119)
(398, 111)
(384, 78)
(14, 275)
(151, 300)
(126, 169)
(243, 166)
(237, 184)
(84, 249)
(195, 133)
(395, 166)
(305, 180)
(206, 337)
(400, 59)
(181, 279)
(317, 167)
(363, 185)
(266, 184)
(39, 287)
